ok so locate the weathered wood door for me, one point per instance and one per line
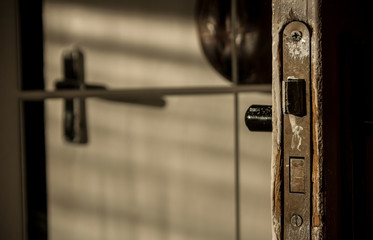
(297, 134)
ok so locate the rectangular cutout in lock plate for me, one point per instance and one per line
(295, 102)
(297, 175)
(297, 142)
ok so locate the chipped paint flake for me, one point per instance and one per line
(296, 137)
(298, 49)
(296, 140)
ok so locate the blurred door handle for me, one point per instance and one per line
(75, 121)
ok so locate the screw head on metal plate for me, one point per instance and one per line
(296, 220)
(296, 35)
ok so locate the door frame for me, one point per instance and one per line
(11, 168)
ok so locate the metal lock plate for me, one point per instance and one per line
(296, 130)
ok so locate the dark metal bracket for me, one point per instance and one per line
(75, 123)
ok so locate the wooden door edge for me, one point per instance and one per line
(308, 12)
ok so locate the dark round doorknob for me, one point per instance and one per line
(252, 38)
(258, 118)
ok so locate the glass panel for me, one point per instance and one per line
(141, 43)
(255, 173)
(145, 173)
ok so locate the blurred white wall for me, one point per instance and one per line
(149, 173)
(127, 46)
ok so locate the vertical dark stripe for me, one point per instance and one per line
(233, 43)
(236, 123)
(237, 167)
(353, 136)
(32, 78)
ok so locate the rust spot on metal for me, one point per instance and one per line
(291, 14)
(317, 198)
(277, 208)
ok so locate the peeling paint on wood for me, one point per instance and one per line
(318, 231)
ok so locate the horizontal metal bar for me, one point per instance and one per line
(132, 93)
